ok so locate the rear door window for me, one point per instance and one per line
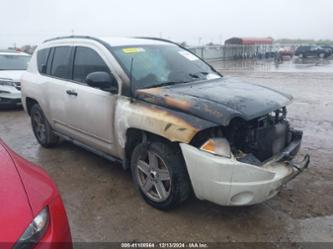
(61, 64)
(87, 61)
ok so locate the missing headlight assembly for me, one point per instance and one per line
(254, 141)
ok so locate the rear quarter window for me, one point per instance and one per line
(42, 56)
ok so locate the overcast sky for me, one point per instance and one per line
(32, 21)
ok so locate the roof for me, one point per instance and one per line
(249, 41)
(12, 52)
(119, 41)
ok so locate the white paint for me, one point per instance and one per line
(229, 182)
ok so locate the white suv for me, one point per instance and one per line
(179, 125)
(12, 65)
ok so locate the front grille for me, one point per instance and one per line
(5, 101)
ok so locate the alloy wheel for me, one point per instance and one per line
(153, 177)
(39, 126)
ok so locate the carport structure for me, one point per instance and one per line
(239, 47)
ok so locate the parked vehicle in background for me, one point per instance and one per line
(170, 117)
(270, 54)
(12, 65)
(286, 51)
(312, 51)
(31, 212)
(328, 48)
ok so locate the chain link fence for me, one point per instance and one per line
(221, 52)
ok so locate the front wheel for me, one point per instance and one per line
(42, 128)
(160, 175)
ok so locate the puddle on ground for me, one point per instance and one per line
(287, 65)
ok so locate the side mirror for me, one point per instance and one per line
(102, 80)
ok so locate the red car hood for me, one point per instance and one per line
(15, 210)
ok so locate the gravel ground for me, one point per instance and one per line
(102, 204)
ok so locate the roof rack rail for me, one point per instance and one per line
(71, 37)
(96, 39)
(105, 44)
(156, 39)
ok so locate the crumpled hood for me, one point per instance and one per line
(218, 100)
(14, 75)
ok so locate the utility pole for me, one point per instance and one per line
(220, 37)
(199, 41)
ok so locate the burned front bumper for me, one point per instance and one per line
(226, 181)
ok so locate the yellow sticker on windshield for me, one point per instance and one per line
(132, 50)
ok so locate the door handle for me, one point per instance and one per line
(71, 92)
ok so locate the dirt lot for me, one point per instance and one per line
(103, 206)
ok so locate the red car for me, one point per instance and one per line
(32, 214)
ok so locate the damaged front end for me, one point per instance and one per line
(258, 140)
(247, 151)
(245, 162)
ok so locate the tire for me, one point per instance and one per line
(322, 55)
(177, 187)
(301, 55)
(41, 128)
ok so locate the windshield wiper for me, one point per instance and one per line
(193, 75)
(197, 75)
(168, 83)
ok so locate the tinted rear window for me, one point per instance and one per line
(61, 62)
(42, 58)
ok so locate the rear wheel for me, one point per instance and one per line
(42, 128)
(159, 173)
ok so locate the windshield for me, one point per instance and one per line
(13, 62)
(155, 65)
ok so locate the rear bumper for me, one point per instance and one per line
(228, 182)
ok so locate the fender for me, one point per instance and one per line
(173, 125)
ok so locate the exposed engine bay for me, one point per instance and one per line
(258, 140)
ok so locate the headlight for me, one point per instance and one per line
(7, 82)
(35, 231)
(217, 146)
